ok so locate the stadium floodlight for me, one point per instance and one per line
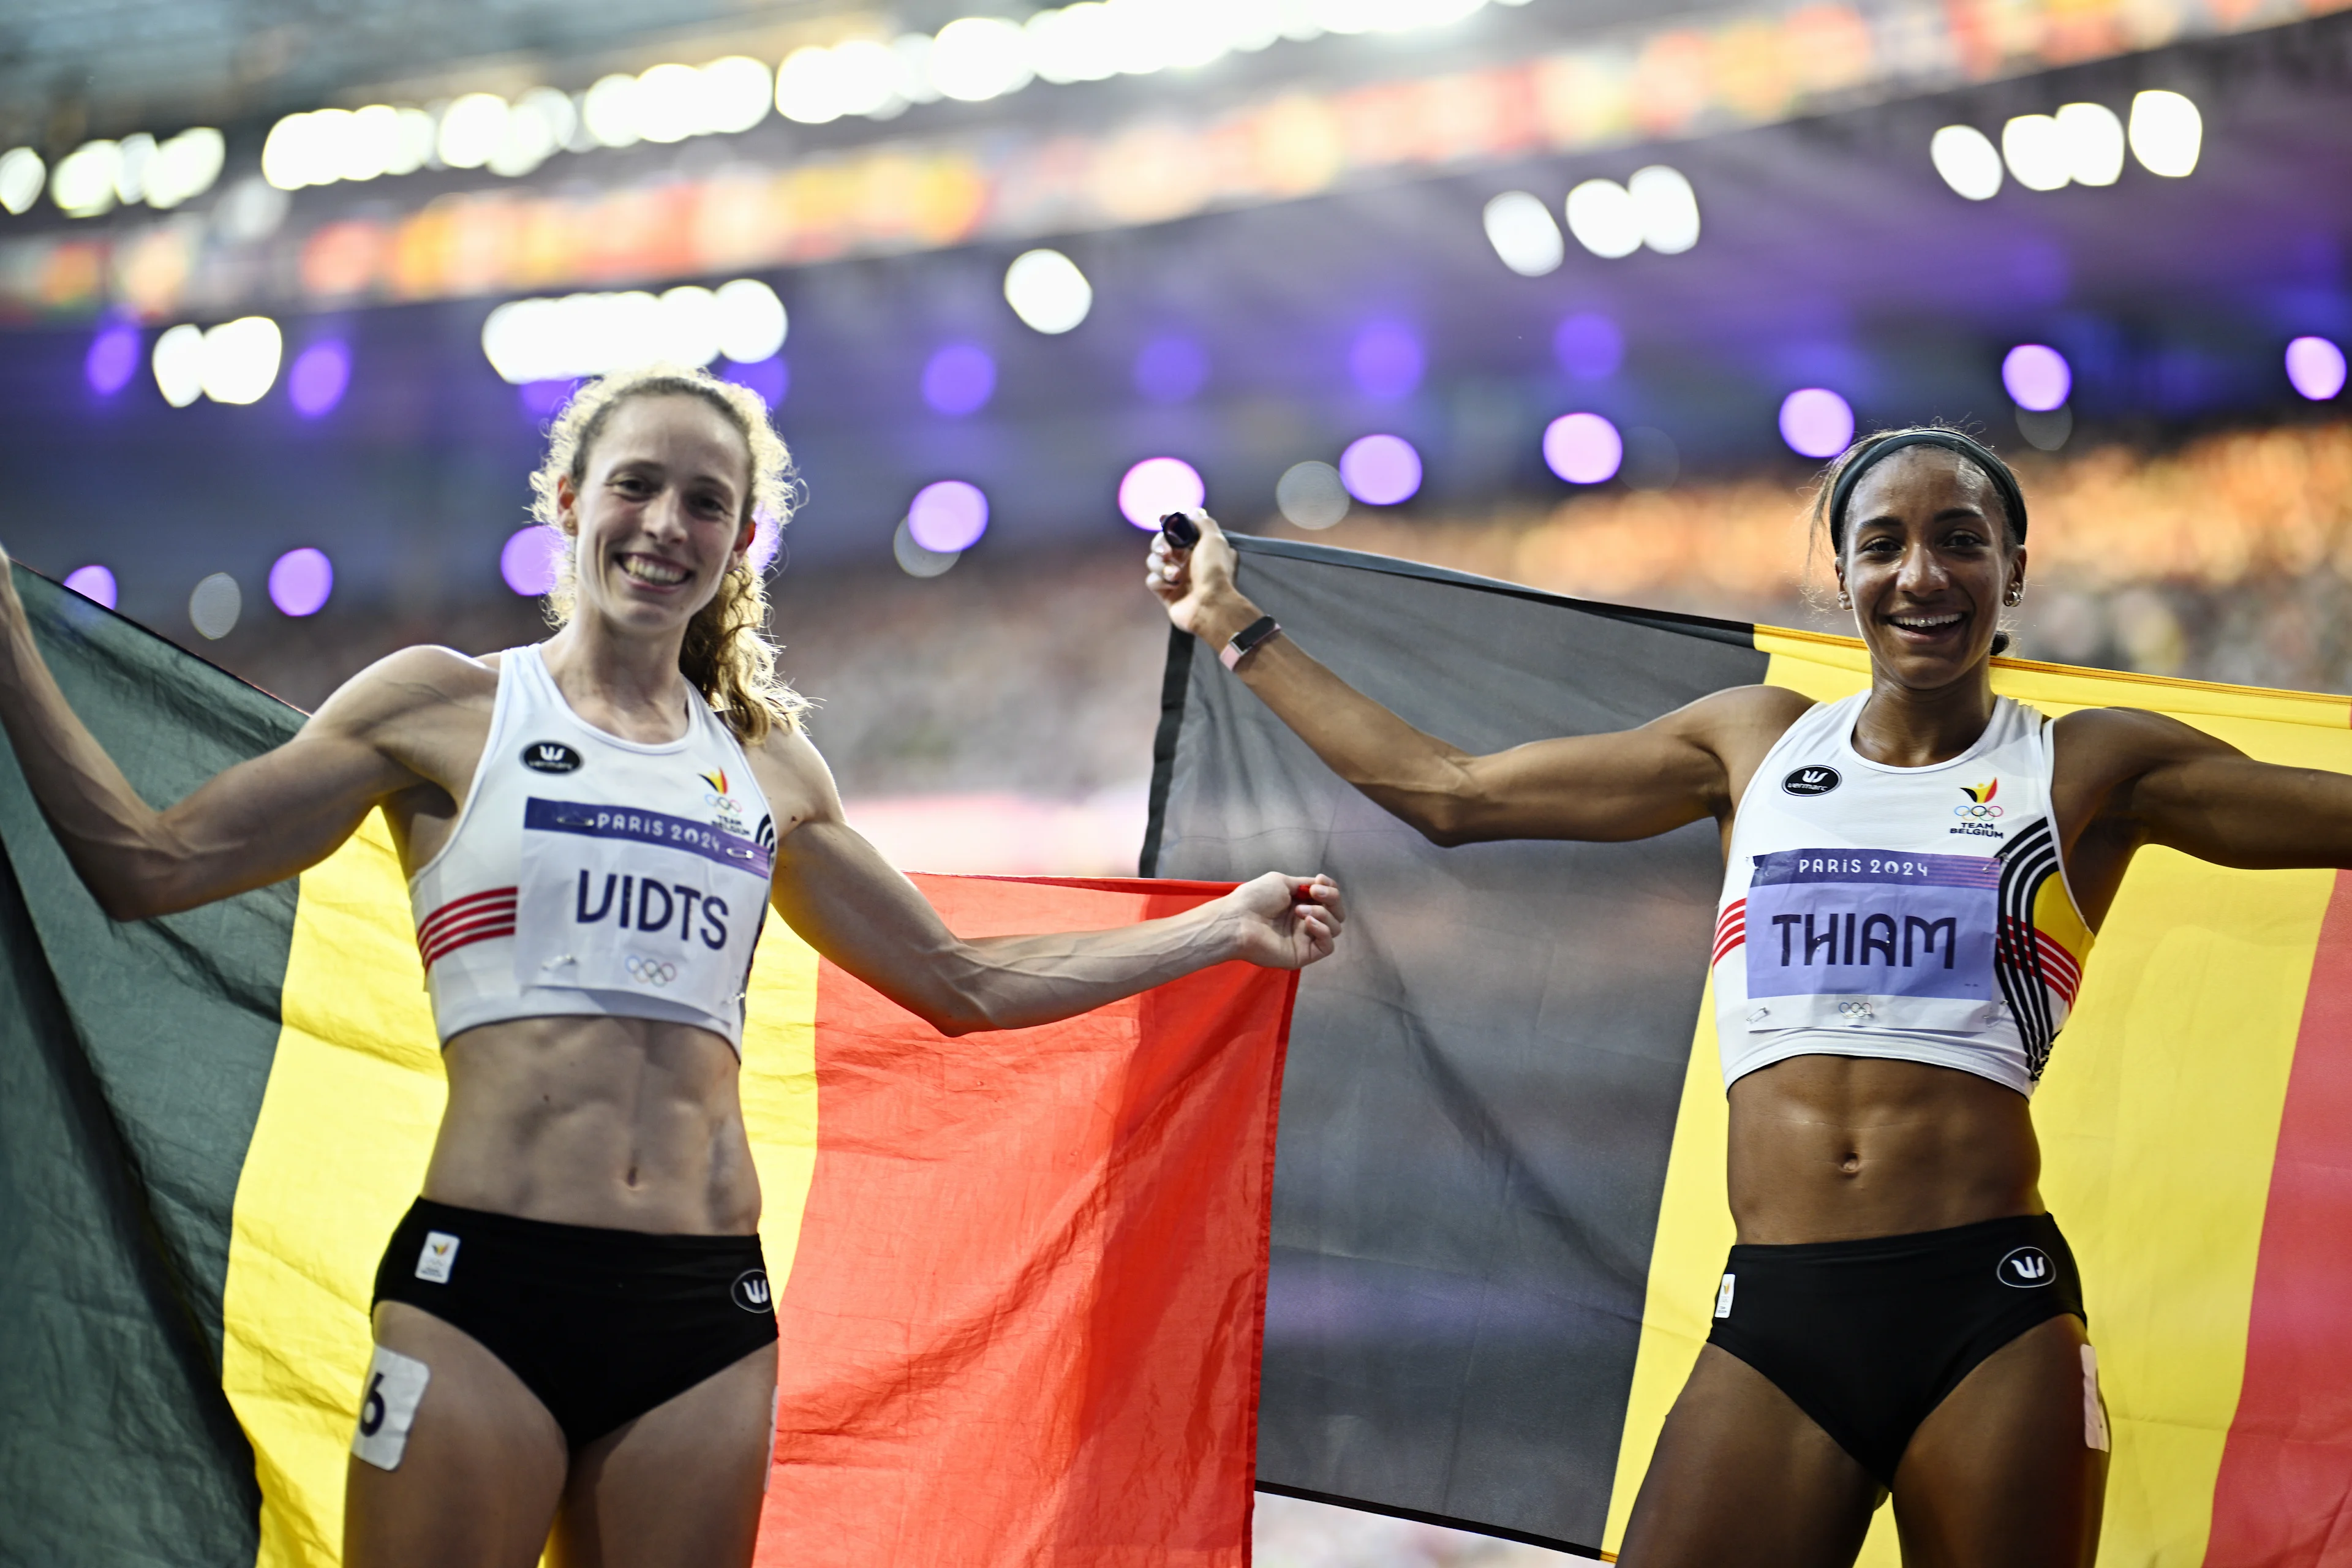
(1969, 161)
(1520, 228)
(2035, 149)
(1604, 218)
(2167, 133)
(1668, 208)
(2094, 142)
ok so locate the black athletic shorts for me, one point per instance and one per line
(602, 1325)
(1867, 1337)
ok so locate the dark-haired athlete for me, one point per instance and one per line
(572, 1325)
(1914, 878)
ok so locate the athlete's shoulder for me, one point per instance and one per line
(412, 683)
(1742, 713)
(793, 776)
(2115, 743)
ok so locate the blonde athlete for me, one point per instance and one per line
(573, 1327)
(1914, 876)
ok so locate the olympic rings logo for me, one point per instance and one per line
(1978, 812)
(649, 971)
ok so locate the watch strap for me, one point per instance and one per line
(1246, 639)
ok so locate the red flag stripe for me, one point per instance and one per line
(1022, 1318)
(2285, 1490)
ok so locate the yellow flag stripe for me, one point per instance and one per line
(346, 1127)
(2158, 1119)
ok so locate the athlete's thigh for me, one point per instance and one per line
(1743, 1478)
(2003, 1473)
(681, 1484)
(477, 1484)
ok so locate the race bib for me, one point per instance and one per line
(613, 898)
(1856, 939)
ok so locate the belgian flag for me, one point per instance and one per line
(1499, 1215)
(1021, 1273)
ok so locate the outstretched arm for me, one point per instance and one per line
(1633, 784)
(259, 821)
(833, 888)
(2144, 778)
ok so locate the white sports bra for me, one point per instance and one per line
(593, 876)
(1920, 914)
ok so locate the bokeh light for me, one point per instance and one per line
(1311, 495)
(528, 559)
(239, 363)
(1381, 470)
(767, 541)
(1583, 448)
(1044, 288)
(2037, 376)
(947, 516)
(1158, 486)
(914, 560)
(579, 335)
(978, 58)
(1969, 161)
(301, 580)
(752, 324)
(320, 374)
(1667, 206)
(93, 582)
(214, 606)
(112, 360)
(959, 379)
(771, 378)
(2316, 368)
(1172, 369)
(1588, 346)
(2167, 133)
(2093, 140)
(2035, 150)
(543, 399)
(179, 360)
(1816, 422)
(1385, 361)
(1521, 230)
(22, 175)
(1603, 215)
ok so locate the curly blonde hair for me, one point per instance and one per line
(726, 655)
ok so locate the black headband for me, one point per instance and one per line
(2012, 500)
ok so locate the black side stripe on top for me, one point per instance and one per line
(2029, 860)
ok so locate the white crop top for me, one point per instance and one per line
(593, 876)
(1920, 914)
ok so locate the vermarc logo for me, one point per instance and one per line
(551, 757)
(1811, 781)
(749, 1291)
(2026, 1269)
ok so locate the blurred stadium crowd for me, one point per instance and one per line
(998, 717)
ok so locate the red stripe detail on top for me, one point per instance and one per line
(1003, 1263)
(465, 908)
(2058, 966)
(2284, 1491)
(461, 922)
(1730, 930)
(455, 937)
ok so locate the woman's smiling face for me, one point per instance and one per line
(1928, 564)
(658, 517)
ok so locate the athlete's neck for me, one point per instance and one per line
(628, 686)
(1908, 727)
